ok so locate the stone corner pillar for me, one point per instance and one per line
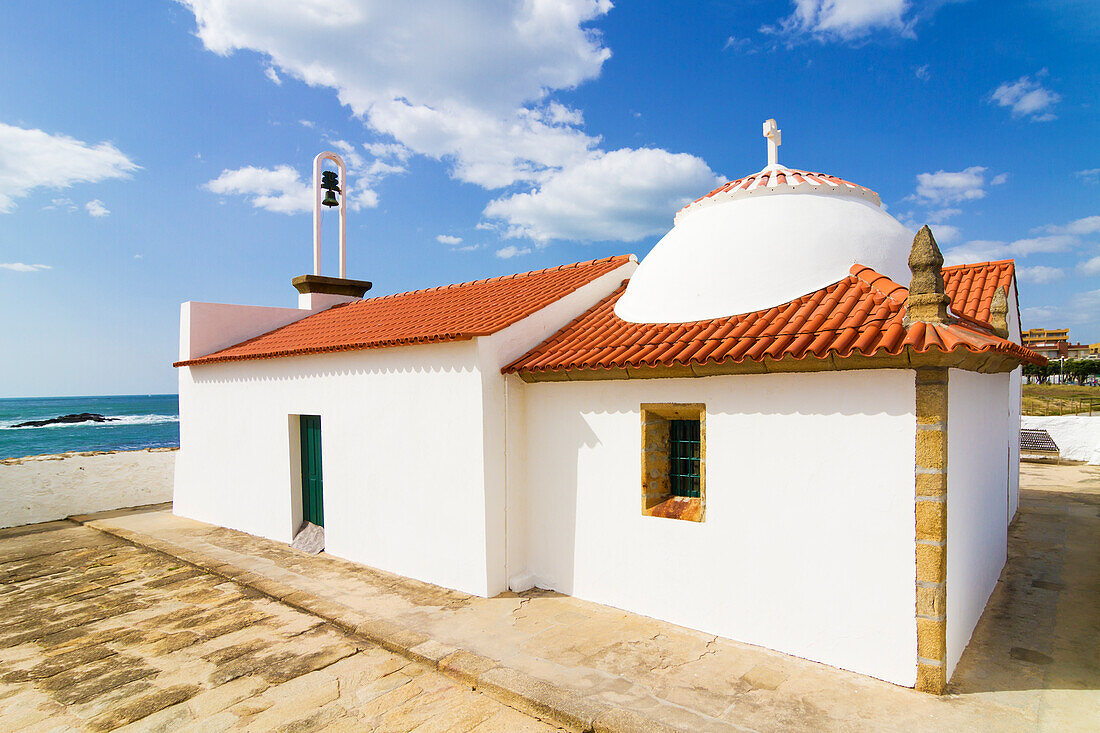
(930, 509)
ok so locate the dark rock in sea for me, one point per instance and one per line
(82, 417)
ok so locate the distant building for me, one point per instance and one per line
(1053, 343)
(1035, 336)
(1077, 351)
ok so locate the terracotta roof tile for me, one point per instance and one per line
(446, 313)
(971, 287)
(862, 314)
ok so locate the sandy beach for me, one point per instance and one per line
(44, 488)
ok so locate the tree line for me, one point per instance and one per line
(1073, 371)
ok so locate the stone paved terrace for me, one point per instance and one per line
(1033, 664)
(97, 634)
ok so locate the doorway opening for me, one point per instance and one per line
(313, 507)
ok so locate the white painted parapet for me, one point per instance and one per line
(209, 327)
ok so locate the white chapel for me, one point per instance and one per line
(788, 425)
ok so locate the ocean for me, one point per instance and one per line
(144, 421)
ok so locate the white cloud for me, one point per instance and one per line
(307, 124)
(939, 215)
(1053, 238)
(23, 267)
(389, 49)
(138, 256)
(936, 218)
(1079, 227)
(1089, 175)
(32, 159)
(1037, 316)
(1039, 274)
(365, 173)
(62, 203)
(1090, 267)
(489, 150)
(507, 253)
(448, 239)
(559, 114)
(280, 189)
(945, 233)
(96, 208)
(273, 75)
(922, 72)
(1085, 306)
(1027, 97)
(1087, 225)
(845, 20)
(946, 187)
(471, 85)
(623, 195)
(395, 151)
(982, 250)
(461, 81)
(743, 45)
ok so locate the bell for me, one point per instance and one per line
(330, 199)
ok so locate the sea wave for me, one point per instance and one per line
(117, 421)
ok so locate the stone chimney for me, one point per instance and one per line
(928, 300)
(998, 313)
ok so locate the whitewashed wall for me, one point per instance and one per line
(401, 434)
(504, 424)
(1015, 388)
(808, 543)
(977, 499)
(415, 440)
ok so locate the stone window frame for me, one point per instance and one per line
(657, 497)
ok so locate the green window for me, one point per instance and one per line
(684, 458)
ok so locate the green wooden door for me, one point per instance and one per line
(313, 509)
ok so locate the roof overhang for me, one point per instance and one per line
(908, 358)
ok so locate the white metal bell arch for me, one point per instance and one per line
(317, 196)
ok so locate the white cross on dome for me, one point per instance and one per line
(775, 139)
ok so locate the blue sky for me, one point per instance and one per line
(157, 152)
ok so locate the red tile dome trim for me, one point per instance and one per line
(782, 178)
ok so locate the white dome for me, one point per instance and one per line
(762, 241)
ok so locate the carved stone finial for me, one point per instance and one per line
(928, 300)
(998, 313)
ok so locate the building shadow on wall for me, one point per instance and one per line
(1041, 627)
(563, 537)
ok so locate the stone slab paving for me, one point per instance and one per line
(1033, 665)
(98, 634)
